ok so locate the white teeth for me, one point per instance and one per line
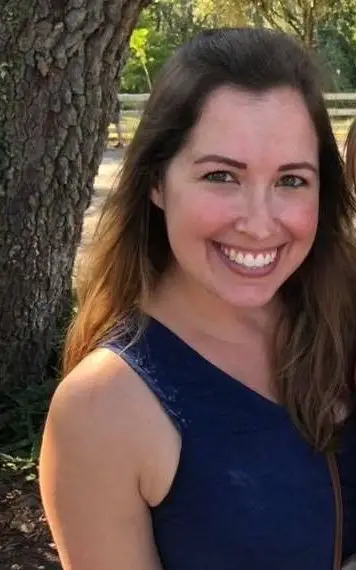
(260, 260)
(248, 259)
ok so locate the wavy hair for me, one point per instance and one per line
(315, 340)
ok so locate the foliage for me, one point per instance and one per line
(300, 18)
(336, 39)
(225, 12)
(23, 410)
(22, 414)
(10, 465)
(148, 51)
(139, 45)
(338, 57)
(326, 26)
(161, 30)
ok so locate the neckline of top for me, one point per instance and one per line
(210, 367)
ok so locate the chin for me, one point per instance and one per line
(253, 300)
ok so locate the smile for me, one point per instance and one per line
(250, 260)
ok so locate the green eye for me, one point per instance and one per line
(291, 181)
(219, 176)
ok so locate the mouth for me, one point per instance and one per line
(255, 263)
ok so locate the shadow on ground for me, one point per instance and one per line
(25, 542)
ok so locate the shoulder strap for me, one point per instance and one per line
(334, 473)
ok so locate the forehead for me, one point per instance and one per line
(271, 125)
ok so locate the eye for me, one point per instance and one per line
(219, 176)
(292, 181)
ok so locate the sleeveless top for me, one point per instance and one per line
(249, 492)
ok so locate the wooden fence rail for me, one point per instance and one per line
(341, 108)
(338, 103)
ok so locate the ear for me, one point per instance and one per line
(157, 196)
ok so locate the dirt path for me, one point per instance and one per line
(104, 182)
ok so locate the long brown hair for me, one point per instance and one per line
(315, 343)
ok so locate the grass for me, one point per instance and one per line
(129, 125)
(341, 128)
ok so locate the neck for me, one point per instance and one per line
(183, 306)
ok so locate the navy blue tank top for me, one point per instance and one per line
(249, 493)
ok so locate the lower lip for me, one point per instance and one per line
(252, 272)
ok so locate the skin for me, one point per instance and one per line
(109, 451)
(254, 208)
(231, 317)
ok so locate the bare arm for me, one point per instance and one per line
(90, 478)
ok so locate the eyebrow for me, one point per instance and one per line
(243, 166)
(222, 160)
(298, 166)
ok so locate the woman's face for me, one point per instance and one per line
(241, 198)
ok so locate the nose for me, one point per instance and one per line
(257, 219)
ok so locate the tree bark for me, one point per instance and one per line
(59, 69)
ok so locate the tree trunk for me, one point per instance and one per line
(59, 69)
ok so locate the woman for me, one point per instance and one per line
(206, 420)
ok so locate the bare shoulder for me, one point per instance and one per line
(108, 452)
(99, 383)
(101, 393)
(90, 424)
(107, 401)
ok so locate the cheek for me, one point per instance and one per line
(301, 219)
(196, 214)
